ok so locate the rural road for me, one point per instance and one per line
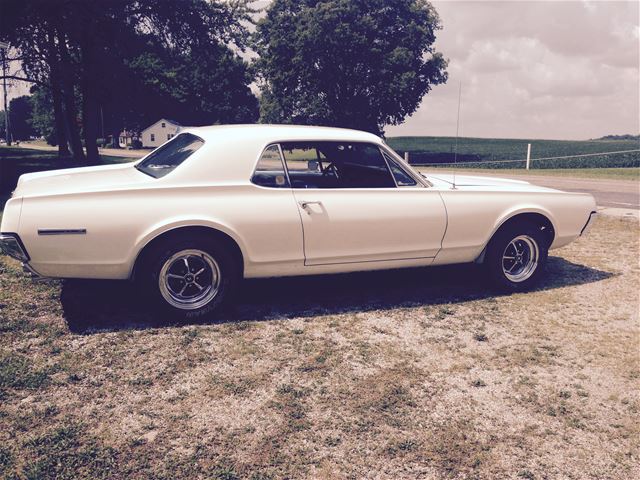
(607, 192)
(115, 152)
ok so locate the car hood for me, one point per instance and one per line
(473, 182)
(84, 179)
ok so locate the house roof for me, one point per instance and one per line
(166, 120)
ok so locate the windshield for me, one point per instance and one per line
(166, 158)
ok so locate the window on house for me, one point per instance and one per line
(164, 124)
(153, 137)
(168, 136)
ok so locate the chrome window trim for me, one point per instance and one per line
(339, 188)
(401, 167)
(406, 167)
(282, 162)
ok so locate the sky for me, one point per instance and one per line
(555, 70)
(531, 69)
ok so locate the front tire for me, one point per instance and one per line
(516, 257)
(190, 278)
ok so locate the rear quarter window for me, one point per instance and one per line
(169, 156)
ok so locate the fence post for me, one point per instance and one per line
(406, 157)
(528, 155)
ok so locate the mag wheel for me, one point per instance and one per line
(191, 278)
(516, 256)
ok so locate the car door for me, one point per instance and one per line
(358, 206)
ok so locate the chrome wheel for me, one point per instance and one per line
(520, 258)
(189, 279)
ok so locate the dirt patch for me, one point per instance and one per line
(422, 373)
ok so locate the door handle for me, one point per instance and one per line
(305, 203)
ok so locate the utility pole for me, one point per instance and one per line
(3, 48)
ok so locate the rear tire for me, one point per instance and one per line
(190, 278)
(516, 257)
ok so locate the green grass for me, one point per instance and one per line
(292, 384)
(14, 161)
(48, 160)
(441, 150)
(622, 173)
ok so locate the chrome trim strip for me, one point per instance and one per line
(29, 269)
(63, 231)
(14, 236)
(587, 225)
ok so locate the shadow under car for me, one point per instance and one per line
(95, 305)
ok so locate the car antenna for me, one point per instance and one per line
(455, 152)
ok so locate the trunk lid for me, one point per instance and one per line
(83, 179)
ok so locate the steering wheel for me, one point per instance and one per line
(330, 169)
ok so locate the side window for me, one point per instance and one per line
(269, 170)
(153, 137)
(336, 165)
(403, 179)
(308, 167)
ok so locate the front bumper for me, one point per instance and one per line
(587, 226)
(11, 245)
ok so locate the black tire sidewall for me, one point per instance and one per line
(495, 250)
(229, 273)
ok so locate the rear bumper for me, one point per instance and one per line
(11, 245)
(587, 226)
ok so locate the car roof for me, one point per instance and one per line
(274, 133)
(230, 152)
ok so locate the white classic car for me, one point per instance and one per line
(216, 204)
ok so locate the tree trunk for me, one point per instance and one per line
(71, 124)
(68, 102)
(58, 114)
(89, 80)
(90, 122)
(62, 136)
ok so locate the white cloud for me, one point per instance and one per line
(535, 70)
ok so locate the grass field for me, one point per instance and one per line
(424, 373)
(15, 161)
(441, 150)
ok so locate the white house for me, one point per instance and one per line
(158, 133)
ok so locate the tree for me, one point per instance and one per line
(360, 64)
(84, 49)
(42, 117)
(20, 111)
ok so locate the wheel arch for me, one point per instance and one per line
(539, 218)
(174, 231)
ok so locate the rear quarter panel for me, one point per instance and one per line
(119, 224)
(474, 216)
